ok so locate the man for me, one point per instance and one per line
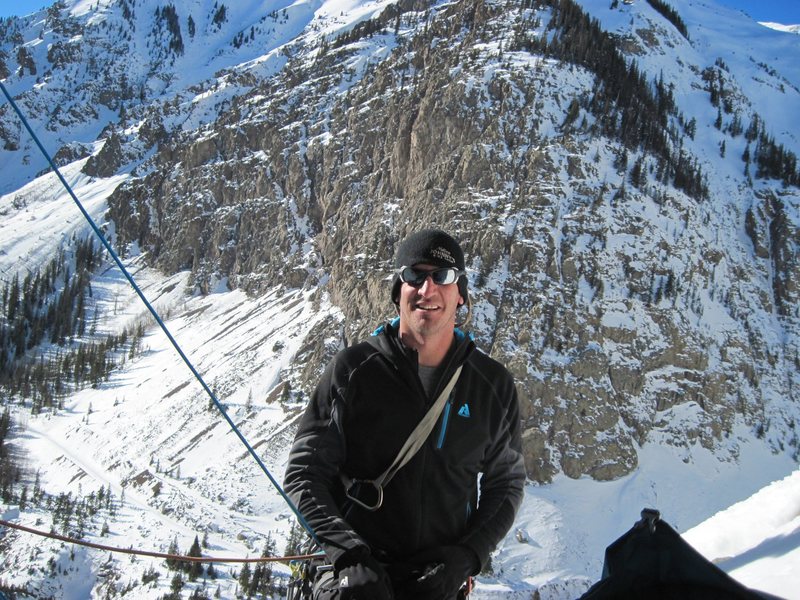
(425, 532)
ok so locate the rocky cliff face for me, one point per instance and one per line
(633, 295)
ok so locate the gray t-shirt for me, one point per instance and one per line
(429, 376)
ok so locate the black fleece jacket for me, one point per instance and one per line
(363, 410)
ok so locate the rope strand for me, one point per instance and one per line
(177, 557)
(158, 319)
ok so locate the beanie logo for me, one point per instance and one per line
(442, 254)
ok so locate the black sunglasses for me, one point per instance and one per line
(416, 277)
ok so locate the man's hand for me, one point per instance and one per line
(446, 570)
(361, 577)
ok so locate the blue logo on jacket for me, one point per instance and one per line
(464, 411)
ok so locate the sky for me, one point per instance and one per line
(778, 11)
(786, 12)
(10, 8)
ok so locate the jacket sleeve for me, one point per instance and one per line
(312, 472)
(502, 481)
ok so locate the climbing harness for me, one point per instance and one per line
(157, 317)
(305, 574)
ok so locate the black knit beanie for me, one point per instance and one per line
(431, 247)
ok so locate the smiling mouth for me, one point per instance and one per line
(426, 307)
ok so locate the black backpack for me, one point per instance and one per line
(652, 561)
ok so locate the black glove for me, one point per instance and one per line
(361, 577)
(446, 568)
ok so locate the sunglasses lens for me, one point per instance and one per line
(417, 277)
(412, 276)
(443, 276)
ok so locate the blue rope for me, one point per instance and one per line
(158, 319)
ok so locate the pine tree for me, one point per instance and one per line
(173, 563)
(176, 585)
(262, 574)
(194, 569)
(244, 579)
(150, 575)
(295, 541)
(13, 299)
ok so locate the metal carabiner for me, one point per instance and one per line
(352, 495)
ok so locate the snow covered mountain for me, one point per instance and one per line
(624, 178)
(782, 27)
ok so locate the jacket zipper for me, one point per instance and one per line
(445, 421)
(447, 407)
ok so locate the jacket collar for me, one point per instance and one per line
(385, 339)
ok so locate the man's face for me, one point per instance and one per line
(429, 309)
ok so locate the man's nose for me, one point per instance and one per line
(427, 286)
